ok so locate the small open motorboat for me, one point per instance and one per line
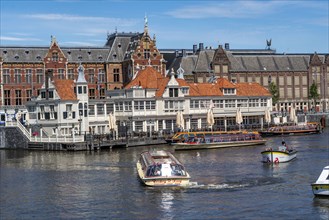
(161, 168)
(280, 155)
(321, 186)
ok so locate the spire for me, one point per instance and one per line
(146, 29)
(81, 75)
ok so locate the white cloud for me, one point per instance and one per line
(73, 18)
(5, 38)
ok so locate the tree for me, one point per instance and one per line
(314, 95)
(274, 90)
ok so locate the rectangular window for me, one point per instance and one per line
(119, 106)
(92, 94)
(70, 74)
(101, 76)
(127, 106)
(102, 93)
(28, 95)
(263, 102)
(28, 76)
(146, 53)
(7, 97)
(218, 103)
(217, 69)
(18, 94)
(18, 76)
(6, 76)
(52, 111)
(289, 92)
(42, 112)
(173, 92)
(61, 74)
(109, 108)
(100, 109)
(39, 76)
(253, 103)
(230, 103)
(281, 91)
(91, 75)
(243, 103)
(91, 109)
(139, 105)
(195, 104)
(116, 77)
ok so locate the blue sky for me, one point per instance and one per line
(294, 26)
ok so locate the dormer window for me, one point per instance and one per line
(80, 57)
(173, 92)
(229, 91)
(100, 57)
(16, 57)
(38, 57)
(27, 52)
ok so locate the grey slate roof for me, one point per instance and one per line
(249, 63)
(23, 54)
(205, 58)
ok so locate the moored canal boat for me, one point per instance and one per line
(309, 128)
(321, 186)
(183, 135)
(161, 168)
(220, 141)
(280, 155)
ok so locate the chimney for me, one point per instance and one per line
(183, 52)
(200, 46)
(176, 53)
(195, 48)
(227, 46)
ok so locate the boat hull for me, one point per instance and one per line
(320, 189)
(269, 156)
(191, 146)
(276, 133)
(162, 181)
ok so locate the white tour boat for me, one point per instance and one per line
(280, 155)
(321, 186)
(161, 168)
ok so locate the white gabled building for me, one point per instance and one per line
(149, 103)
(61, 107)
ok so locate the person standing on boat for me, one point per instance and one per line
(285, 145)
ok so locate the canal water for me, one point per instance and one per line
(229, 183)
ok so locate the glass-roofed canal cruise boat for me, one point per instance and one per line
(161, 168)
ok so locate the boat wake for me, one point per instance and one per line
(235, 185)
(195, 185)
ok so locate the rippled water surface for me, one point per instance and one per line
(229, 183)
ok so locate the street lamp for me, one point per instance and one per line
(80, 121)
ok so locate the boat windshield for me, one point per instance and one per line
(166, 170)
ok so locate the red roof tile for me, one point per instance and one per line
(149, 78)
(65, 89)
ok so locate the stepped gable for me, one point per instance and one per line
(65, 89)
(251, 89)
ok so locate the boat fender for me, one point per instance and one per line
(276, 160)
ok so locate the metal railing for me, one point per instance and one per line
(40, 138)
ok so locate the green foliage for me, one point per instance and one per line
(314, 92)
(274, 90)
